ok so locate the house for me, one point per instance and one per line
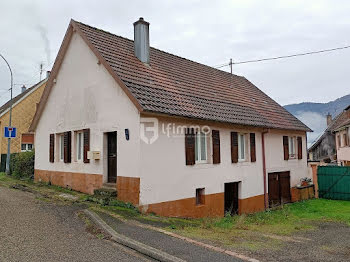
(333, 142)
(174, 137)
(323, 149)
(23, 110)
(342, 138)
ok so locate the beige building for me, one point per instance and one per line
(23, 110)
(342, 138)
(173, 136)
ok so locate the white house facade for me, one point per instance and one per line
(129, 125)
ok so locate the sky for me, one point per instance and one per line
(209, 32)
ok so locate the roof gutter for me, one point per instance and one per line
(266, 199)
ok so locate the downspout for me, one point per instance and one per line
(266, 199)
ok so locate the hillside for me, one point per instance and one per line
(314, 114)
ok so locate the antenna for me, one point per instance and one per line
(231, 65)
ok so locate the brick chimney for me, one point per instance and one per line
(329, 119)
(141, 40)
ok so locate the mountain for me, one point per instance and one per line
(314, 114)
(332, 107)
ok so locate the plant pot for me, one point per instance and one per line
(304, 183)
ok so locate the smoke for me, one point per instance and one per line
(44, 35)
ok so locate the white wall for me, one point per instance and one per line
(275, 158)
(165, 176)
(86, 96)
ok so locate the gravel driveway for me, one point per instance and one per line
(33, 230)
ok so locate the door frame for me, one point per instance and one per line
(278, 177)
(105, 153)
(235, 197)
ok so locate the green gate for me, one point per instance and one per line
(334, 182)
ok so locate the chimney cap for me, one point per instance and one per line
(141, 20)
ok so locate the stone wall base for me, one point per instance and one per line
(81, 182)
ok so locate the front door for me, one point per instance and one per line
(231, 198)
(279, 188)
(112, 156)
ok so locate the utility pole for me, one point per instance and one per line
(231, 65)
(10, 121)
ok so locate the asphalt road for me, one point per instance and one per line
(33, 230)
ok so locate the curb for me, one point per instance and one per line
(130, 243)
(198, 243)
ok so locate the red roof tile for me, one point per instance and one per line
(180, 87)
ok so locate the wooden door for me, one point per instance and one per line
(231, 198)
(279, 188)
(284, 179)
(274, 190)
(112, 156)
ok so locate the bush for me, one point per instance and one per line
(22, 165)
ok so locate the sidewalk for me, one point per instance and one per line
(168, 244)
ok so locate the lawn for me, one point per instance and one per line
(263, 229)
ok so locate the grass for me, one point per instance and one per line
(257, 231)
(252, 231)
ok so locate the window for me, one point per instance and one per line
(201, 154)
(79, 145)
(345, 139)
(241, 147)
(26, 147)
(339, 141)
(291, 146)
(61, 147)
(200, 196)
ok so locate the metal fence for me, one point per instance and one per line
(334, 182)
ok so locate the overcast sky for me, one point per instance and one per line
(210, 32)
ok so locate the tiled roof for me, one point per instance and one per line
(176, 86)
(5, 106)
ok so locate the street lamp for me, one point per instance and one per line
(10, 119)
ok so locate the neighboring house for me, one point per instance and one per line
(175, 137)
(342, 138)
(23, 110)
(331, 146)
(323, 149)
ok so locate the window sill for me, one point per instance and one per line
(200, 205)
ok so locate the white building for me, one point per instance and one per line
(175, 137)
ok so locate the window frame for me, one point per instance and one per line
(81, 133)
(198, 148)
(26, 147)
(244, 147)
(61, 147)
(292, 147)
(200, 196)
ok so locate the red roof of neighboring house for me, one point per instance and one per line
(179, 87)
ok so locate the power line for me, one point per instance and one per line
(285, 56)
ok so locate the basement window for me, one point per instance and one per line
(199, 196)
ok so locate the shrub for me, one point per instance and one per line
(22, 165)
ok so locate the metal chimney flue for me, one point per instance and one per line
(23, 88)
(48, 74)
(141, 40)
